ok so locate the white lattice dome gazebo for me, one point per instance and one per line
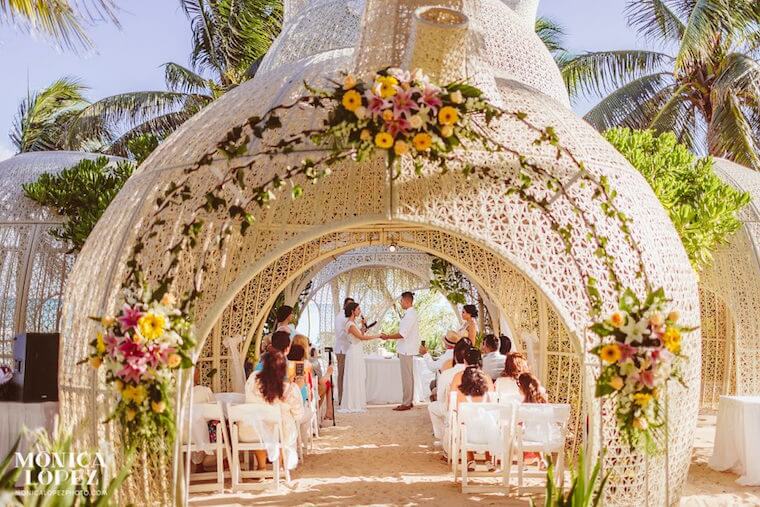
(498, 241)
(730, 296)
(35, 265)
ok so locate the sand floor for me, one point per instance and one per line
(386, 458)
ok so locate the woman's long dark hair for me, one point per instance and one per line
(349, 309)
(531, 388)
(472, 310)
(271, 378)
(460, 349)
(474, 382)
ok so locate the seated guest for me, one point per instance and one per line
(436, 365)
(284, 317)
(438, 409)
(531, 388)
(296, 357)
(199, 427)
(324, 385)
(505, 345)
(474, 388)
(493, 361)
(280, 342)
(514, 365)
(269, 387)
(472, 359)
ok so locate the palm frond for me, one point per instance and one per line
(710, 21)
(160, 126)
(677, 115)
(182, 79)
(128, 110)
(731, 135)
(551, 33)
(41, 117)
(739, 75)
(597, 73)
(631, 104)
(654, 19)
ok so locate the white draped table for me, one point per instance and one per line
(737, 438)
(15, 416)
(384, 380)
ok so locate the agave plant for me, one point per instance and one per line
(585, 490)
(706, 91)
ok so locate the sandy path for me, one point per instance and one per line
(379, 457)
(384, 457)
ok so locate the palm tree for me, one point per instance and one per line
(552, 34)
(40, 123)
(707, 91)
(229, 38)
(57, 18)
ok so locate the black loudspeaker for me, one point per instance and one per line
(35, 358)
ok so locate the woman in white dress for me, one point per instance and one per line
(355, 374)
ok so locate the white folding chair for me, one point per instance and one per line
(472, 419)
(201, 414)
(541, 428)
(452, 428)
(257, 416)
(314, 411)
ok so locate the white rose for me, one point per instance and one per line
(456, 97)
(416, 121)
(361, 112)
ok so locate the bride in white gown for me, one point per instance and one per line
(355, 374)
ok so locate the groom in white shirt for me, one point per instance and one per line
(408, 346)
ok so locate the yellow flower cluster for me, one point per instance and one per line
(352, 100)
(642, 399)
(672, 339)
(134, 393)
(151, 325)
(387, 86)
(610, 353)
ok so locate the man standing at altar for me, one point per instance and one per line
(341, 344)
(408, 346)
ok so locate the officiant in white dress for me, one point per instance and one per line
(408, 337)
(355, 373)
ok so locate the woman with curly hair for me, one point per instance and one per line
(474, 388)
(514, 364)
(270, 387)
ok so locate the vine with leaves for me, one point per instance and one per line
(405, 117)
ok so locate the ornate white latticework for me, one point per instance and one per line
(506, 247)
(34, 265)
(730, 297)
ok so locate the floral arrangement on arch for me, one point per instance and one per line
(640, 352)
(403, 113)
(140, 349)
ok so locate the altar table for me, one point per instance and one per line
(737, 438)
(384, 381)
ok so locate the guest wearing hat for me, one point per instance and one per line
(436, 365)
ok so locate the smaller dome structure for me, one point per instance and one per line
(730, 300)
(33, 265)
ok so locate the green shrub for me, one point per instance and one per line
(80, 194)
(702, 207)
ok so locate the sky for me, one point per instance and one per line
(154, 32)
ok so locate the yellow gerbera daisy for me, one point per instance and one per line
(672, 339)
(151, 325)
(387, 86)
(400, 148)
(422, 142)
(610, 353)
(383, 140)
(100, 345)
(448, 115)
(642, 399)
(352, 100)
(134, 393)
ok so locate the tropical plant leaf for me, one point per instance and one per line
(181, 79)
(730, 134)
(631, 105)
(598, 73)
(551, 33)
(654, 19)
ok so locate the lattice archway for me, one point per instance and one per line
(730, 298)
(475, 224)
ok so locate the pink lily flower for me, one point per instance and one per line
(129, 318)
(376, 104)
(403, 104)
(626, 351)
(129, 373)
(398, 125)
(647, 378)
(431, 98)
